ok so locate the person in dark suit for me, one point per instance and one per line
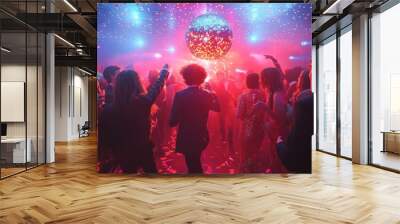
(124, 125)
(190, 113)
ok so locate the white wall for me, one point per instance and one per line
(71, 93)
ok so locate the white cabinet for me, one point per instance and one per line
(13, 150)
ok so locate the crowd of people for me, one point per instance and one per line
(241, 123)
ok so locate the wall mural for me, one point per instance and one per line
(221, 88)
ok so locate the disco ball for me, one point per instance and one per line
(209, 37)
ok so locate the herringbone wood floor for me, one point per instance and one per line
(70, 191)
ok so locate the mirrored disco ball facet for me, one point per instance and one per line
(209, 37)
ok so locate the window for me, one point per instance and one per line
(346, 93)
(327, 96)
(385, 89)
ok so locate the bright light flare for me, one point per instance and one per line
(238, 70)
(171, 50)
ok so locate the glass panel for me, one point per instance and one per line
(31, 97)
(327, 96)
(346, 94)
(23, 81)
(13, 88)
(41, 98)
(385, 84)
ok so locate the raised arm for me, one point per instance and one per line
(276, 63)
(156, 87)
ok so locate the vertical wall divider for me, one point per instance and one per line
(60, 88)
(44, 76)
(73, 92)
(45, 93)
(37, 89)
(317, 97)
(26, 86)
(369, 97)
(69, 92)
(338, 77)
(0, 94)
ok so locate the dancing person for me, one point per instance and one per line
(157, 115)
(190, 111)
(303, 83)
(109, 75)
(295, 152)
(276, 123)
(101, 92)
(125, 125)
(227, 105)
(172, 87)
(152, 78)
(251, 130)
(272, 79)
(291, 92)
(292, 74)
(276, 64)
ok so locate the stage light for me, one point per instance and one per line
(240, 70)
(158, 55)
(254, 15)
(139, 42)
(135, 15)
(253, 38)
(304, 43)
(136, 18)
(171, 50)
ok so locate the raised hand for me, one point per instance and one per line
(275, 62)
(279, 140)
(270, 57)
(165, 68)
